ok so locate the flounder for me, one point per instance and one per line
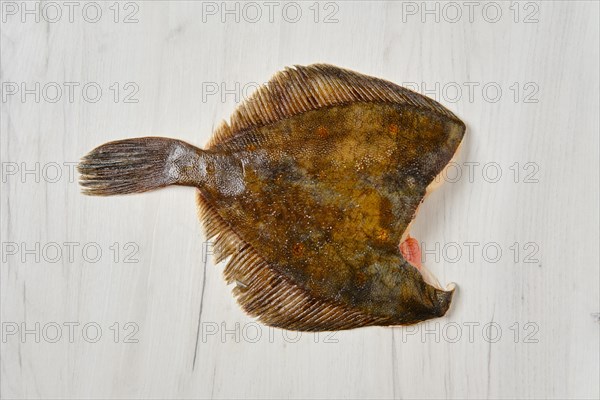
(310, 190)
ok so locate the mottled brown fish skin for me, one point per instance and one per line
(325, 196)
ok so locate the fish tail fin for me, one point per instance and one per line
(139, 165)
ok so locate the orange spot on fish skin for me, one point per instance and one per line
(322, 132)
(298, 249)
(360, 278)
(393, 128)
(411, 251)
(383, 235)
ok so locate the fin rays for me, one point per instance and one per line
(304, 88)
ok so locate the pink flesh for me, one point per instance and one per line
(411, 251)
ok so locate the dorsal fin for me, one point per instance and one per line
(304, 88)
(271, 297)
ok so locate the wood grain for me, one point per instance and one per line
(524, 323)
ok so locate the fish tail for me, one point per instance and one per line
(139, 165)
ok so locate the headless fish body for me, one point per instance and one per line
(310, 189)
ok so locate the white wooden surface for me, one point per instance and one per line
(525, 328)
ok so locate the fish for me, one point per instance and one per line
(309, 192)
